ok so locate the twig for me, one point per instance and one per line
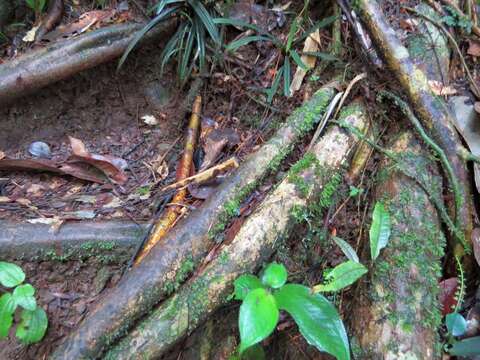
(349, 88)
(454, 43)
(203, 176)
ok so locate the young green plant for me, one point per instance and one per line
(33, 319)
(189, 43)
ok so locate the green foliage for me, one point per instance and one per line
(349, 252)
(316, 317)
(274, 276)
(454, 19)
(287, 49)
(189, 43)
(34, 322)
(341, 276)
(456, 324)
(36, 5)
(466, 347)
(380, 230)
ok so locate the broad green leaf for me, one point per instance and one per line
(23, 296)
(33, 326)
(342, 276)
(10, 274)
(7, 308)
(298, 60)
(244, 284)
(286, 76)
(258, 318)
(466, 347)
(456, 324)
(158, 19)
(349, 252)
(317, 319)
(275, 275)
(234, 45)
(380, 230)
(206, 19)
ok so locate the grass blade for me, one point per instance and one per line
(159, 18)
(321, 24)
(172, 46)
(240, 23)
(322, 55)
(200, 36)
(291, 35)
(184, 69)
(286, 76)
(234, 45)
(276, 83)
(298, 60)
(206, 19)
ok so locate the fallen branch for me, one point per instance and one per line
(431, 110)
(167, 266)
(203, 176)
(63, 59)
(254, 244)
(168, 219)
(397, 311)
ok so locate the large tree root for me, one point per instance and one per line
(431, 109)
(114, 241)
(167, 266)
(61, 60)
(257, 239)
(397, 313)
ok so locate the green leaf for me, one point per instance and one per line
(184, 69)
(158, 19)
(317, 319)
(234, 45)
(466, 347)
(172, 46)
(349, 252)
(298, 60)
(206, 19)
(10, 274)
(33, 326)
(291, 35)
(456, 324)
(23, 296)
(200, 35)
(276, 83)
(244, 284)
(321, 24)
(258, 318)
(380, 230)
(286, 76)
(275, 275)
(7, 308)
(240, 23)
(342, 276)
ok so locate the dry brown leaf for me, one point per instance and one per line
(473, 48)
(440, 90)
(162, 170)
(4, 199)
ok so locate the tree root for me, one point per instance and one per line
(431, 109)
(167, 266)
(397, 311)
(255, 243)
(61, 60)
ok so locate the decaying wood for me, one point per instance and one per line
(52, 18)
(109, 240)
(63, 59)
(396, 312)
(165, 267)
(169, 217)
(254, 244)
(203, 176)
(431, 109)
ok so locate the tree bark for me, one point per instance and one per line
(63, 59)
(396, 311)
(166, 267)
(431, 109)
(254, 244)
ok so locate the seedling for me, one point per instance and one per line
(38, 6)
(34, 322)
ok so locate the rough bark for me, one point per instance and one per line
(254, 244)
(110, 240)
(63, 59)
(397, 312)
(185, 246)
(431, 109)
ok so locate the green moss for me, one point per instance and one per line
(181, 275)
(294, 175)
